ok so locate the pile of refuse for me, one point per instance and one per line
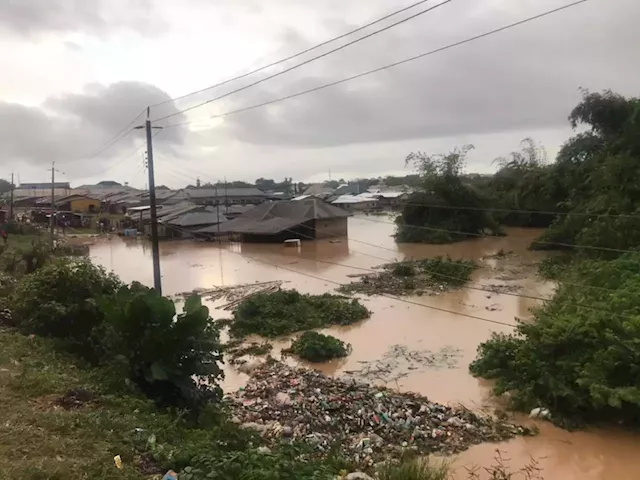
(369, 424)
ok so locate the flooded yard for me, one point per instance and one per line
(418, 343)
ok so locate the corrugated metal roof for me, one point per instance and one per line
(350, 199)
(273, 217)
(220, 192)
(196, 219)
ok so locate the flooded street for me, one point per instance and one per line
(445, 328)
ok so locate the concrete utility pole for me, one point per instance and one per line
(53, 198)
(226, 198)
(11, 204)
(155, 247)
(217, 210)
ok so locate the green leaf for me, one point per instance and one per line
(157, 372)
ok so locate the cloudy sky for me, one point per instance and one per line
(75, 73)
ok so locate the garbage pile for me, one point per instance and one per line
(369, 424)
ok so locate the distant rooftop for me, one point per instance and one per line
(221, 192)
(39, 186)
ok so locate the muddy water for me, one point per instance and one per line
(430, 325)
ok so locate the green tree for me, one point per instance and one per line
(580, 356)
(172, 358)
(525, 181)
(4, 186)
(439, 212)
(597, 171)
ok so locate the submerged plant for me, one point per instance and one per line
(316, 347)
(289, 311)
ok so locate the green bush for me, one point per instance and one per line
(288, 311)
(316, 347)
(402, 278)
(59, 301)
(404, 269)
(173, 359)
(580, 357)
(25, 258)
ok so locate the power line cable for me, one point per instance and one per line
(313, 59)
(579, 285)
(526, 212)
(124, 159)
(291, 57)
(467, 287)
(450, 262)
(458, 279)
(475, 317)
(122, 133)
(376, 70)
(472, 234)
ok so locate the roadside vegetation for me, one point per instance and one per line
(92, 369)
(414, 277)
(289, 311)
(316, 347)
(580, 356)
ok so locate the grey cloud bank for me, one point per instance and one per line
(515, 84)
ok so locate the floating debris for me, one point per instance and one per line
(367, 424)
(413, 277)
(235, 294)
(399, 360)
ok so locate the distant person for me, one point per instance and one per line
(5, 236)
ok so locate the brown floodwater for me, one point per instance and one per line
(430, 324)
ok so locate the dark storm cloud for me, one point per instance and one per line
(71, 127)
(27, 17)
(524, 78)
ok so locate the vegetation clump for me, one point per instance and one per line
(430, 215)
(595, 173)
(289, 311)
(412, 276)
(316, 347)
(235, 349)
(174, 359)
(580, 356)
(60, 301)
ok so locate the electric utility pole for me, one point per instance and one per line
(11, 204)
(53, 199)
(155, 247)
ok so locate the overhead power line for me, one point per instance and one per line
(313, 59)
(392, 297)
(122, 133)
(125, 158)
(524, 212)
(473, 234)
(291, 57)
(466, 287)
(453, 277)
(380, 69)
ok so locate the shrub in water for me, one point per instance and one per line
(288, 311)
(174, 359)
(580, 357)
(403, 269)
(59, 300)
(316, 347)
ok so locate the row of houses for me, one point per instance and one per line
(246, 214)
(348, 196)
(119, 199)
